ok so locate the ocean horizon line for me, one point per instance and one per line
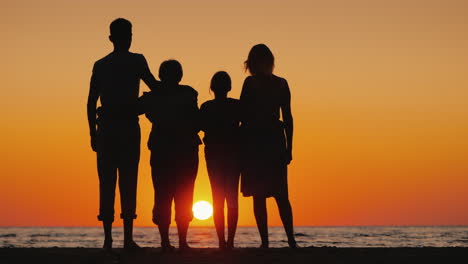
(212, 226)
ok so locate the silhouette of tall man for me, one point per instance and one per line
(114, 128)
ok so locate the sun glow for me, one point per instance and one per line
(202, 210)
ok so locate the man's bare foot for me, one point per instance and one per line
(107, 244)
(292, 244)
(131, 245)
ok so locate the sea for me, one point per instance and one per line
(205, 237)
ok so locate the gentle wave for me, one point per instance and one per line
(92, 237)
(7, 235)
(58, 235)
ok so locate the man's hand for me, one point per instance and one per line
(288, 157)
(94, 143)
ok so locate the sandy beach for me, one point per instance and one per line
(243, 255)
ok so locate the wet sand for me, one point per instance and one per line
(242, 255)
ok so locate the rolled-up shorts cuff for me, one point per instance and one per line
(159, 221)
(105, 218)
(128, 216)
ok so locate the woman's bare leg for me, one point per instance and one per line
(261, 217)
(285, 210)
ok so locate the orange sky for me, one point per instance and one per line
(379, 97)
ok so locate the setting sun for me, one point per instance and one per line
(202, 210)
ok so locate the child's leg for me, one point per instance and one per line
(218, 192)
(162, 214)
(182, 229)
(232, 199)
(233, 215)
(183, 208)
(187, 168)
(218, 213)
(163, 196)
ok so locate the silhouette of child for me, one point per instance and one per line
(173, 142)
(220, 122)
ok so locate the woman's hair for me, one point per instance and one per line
(170, 71)
(260, 60)
(221, 82)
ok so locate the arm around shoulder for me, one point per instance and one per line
(146, 74)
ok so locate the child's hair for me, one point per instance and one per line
(221, 82)
(260, 60)
(170, 71)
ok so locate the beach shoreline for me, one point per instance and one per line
(238, 255)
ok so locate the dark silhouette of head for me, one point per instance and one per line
(260, 60)
(121, 34)
(170, 72)
(221, 83)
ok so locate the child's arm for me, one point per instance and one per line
(144, 106)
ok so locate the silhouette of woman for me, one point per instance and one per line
(266, 140)
(220, 122)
